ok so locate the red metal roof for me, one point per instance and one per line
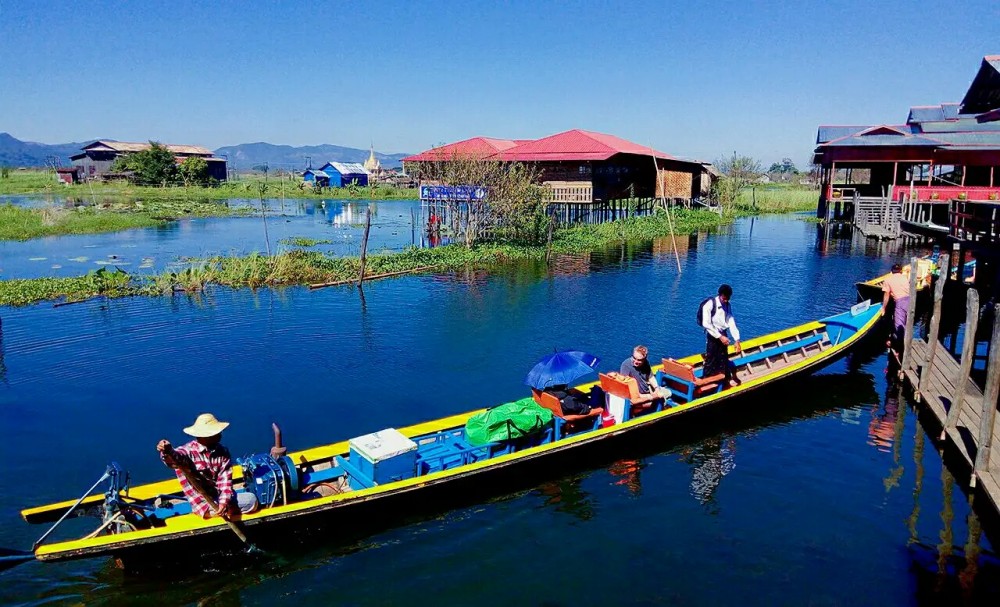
(477, 147)
(577, 144)
(571, 145)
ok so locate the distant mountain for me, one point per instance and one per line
(17, 153)
(247, 155)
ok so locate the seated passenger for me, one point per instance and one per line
(572, 402)
(637, 367)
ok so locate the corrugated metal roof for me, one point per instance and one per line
(950, 111)
(573, 145)
(349, 168)
(130, 146)
(476, 147)
(831, 132)
(882, 140)
(984, 92)
(316, 173)
(965, 123)
(925, 113)
(578, 144)
(987, 139)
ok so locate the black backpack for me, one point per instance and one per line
(715, 307)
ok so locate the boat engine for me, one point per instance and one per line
(272, 481)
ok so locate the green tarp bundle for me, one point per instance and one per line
(508, 421)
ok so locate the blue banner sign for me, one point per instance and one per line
(452, 192)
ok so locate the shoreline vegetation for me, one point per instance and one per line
(299, 267)
(38, 183)
(517, 214)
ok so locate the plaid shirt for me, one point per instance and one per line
(216, 470)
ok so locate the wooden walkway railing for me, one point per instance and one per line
(877, 217)
(968, 416)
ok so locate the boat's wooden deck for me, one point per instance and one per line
(786, 358)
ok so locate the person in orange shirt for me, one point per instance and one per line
(897, 286)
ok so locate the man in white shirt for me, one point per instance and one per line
(716, 317)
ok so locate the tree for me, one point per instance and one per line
(738, 172)
(194, 171)
(499, 201)
(155, 165)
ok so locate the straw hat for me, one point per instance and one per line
(206, 425)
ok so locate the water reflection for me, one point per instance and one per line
(882, 429)
(3, 363)
(710, 461)
(336, 224)
(568, 497)
(626, 473)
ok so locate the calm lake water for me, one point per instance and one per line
(396, 224)
(824, 491)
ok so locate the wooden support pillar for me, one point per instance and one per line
(965, 364)
(932, 337)
(989, 414)
(910, 314)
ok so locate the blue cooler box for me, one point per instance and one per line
(384, 456)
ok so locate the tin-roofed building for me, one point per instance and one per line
(96, 159)
(583, 169)
(941, 151)
(343, 173)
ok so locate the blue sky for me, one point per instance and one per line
(698, 79)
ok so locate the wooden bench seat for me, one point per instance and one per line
(566, 423)
(746, 359)
(681, 379)
(628, 389)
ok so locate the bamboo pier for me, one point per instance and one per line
(967, 415)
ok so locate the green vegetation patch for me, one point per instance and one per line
(298, 267)
(775, 199)
(302, 241)
(19, 223)
(247, 186)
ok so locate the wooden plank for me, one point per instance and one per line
(989, 409)
(968, 353)
(910, 314)
(932, 335)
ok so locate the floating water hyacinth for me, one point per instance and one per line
(56, 266)
(80, 259)
(36, 259)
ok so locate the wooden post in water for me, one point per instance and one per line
(989, 413)
(548, 240)
(965, 366)
(932, 337)
(364, 244)
(910, 314)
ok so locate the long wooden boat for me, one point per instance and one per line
(342, 484)
(872, 289)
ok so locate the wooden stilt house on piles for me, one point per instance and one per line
(591, 177)
(938, 174)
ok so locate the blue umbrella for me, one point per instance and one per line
(561, 368)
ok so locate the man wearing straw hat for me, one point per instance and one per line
(211, 464)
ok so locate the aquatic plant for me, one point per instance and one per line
(302, 241)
